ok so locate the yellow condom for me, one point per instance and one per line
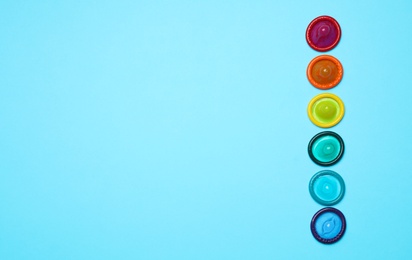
(326, 110)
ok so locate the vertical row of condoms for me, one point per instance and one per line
(326, 148)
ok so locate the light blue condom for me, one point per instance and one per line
(327, 187)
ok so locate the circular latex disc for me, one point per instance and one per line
(326, 110)
(327, 187)
(326, 148)
(328, 225)
(324, 72)
(323, 33)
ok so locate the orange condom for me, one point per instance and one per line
(324, 72)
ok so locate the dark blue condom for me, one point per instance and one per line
(328, 225)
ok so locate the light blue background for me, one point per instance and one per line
(178, 129)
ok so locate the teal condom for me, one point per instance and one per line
(327, 187)
(326, 148)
